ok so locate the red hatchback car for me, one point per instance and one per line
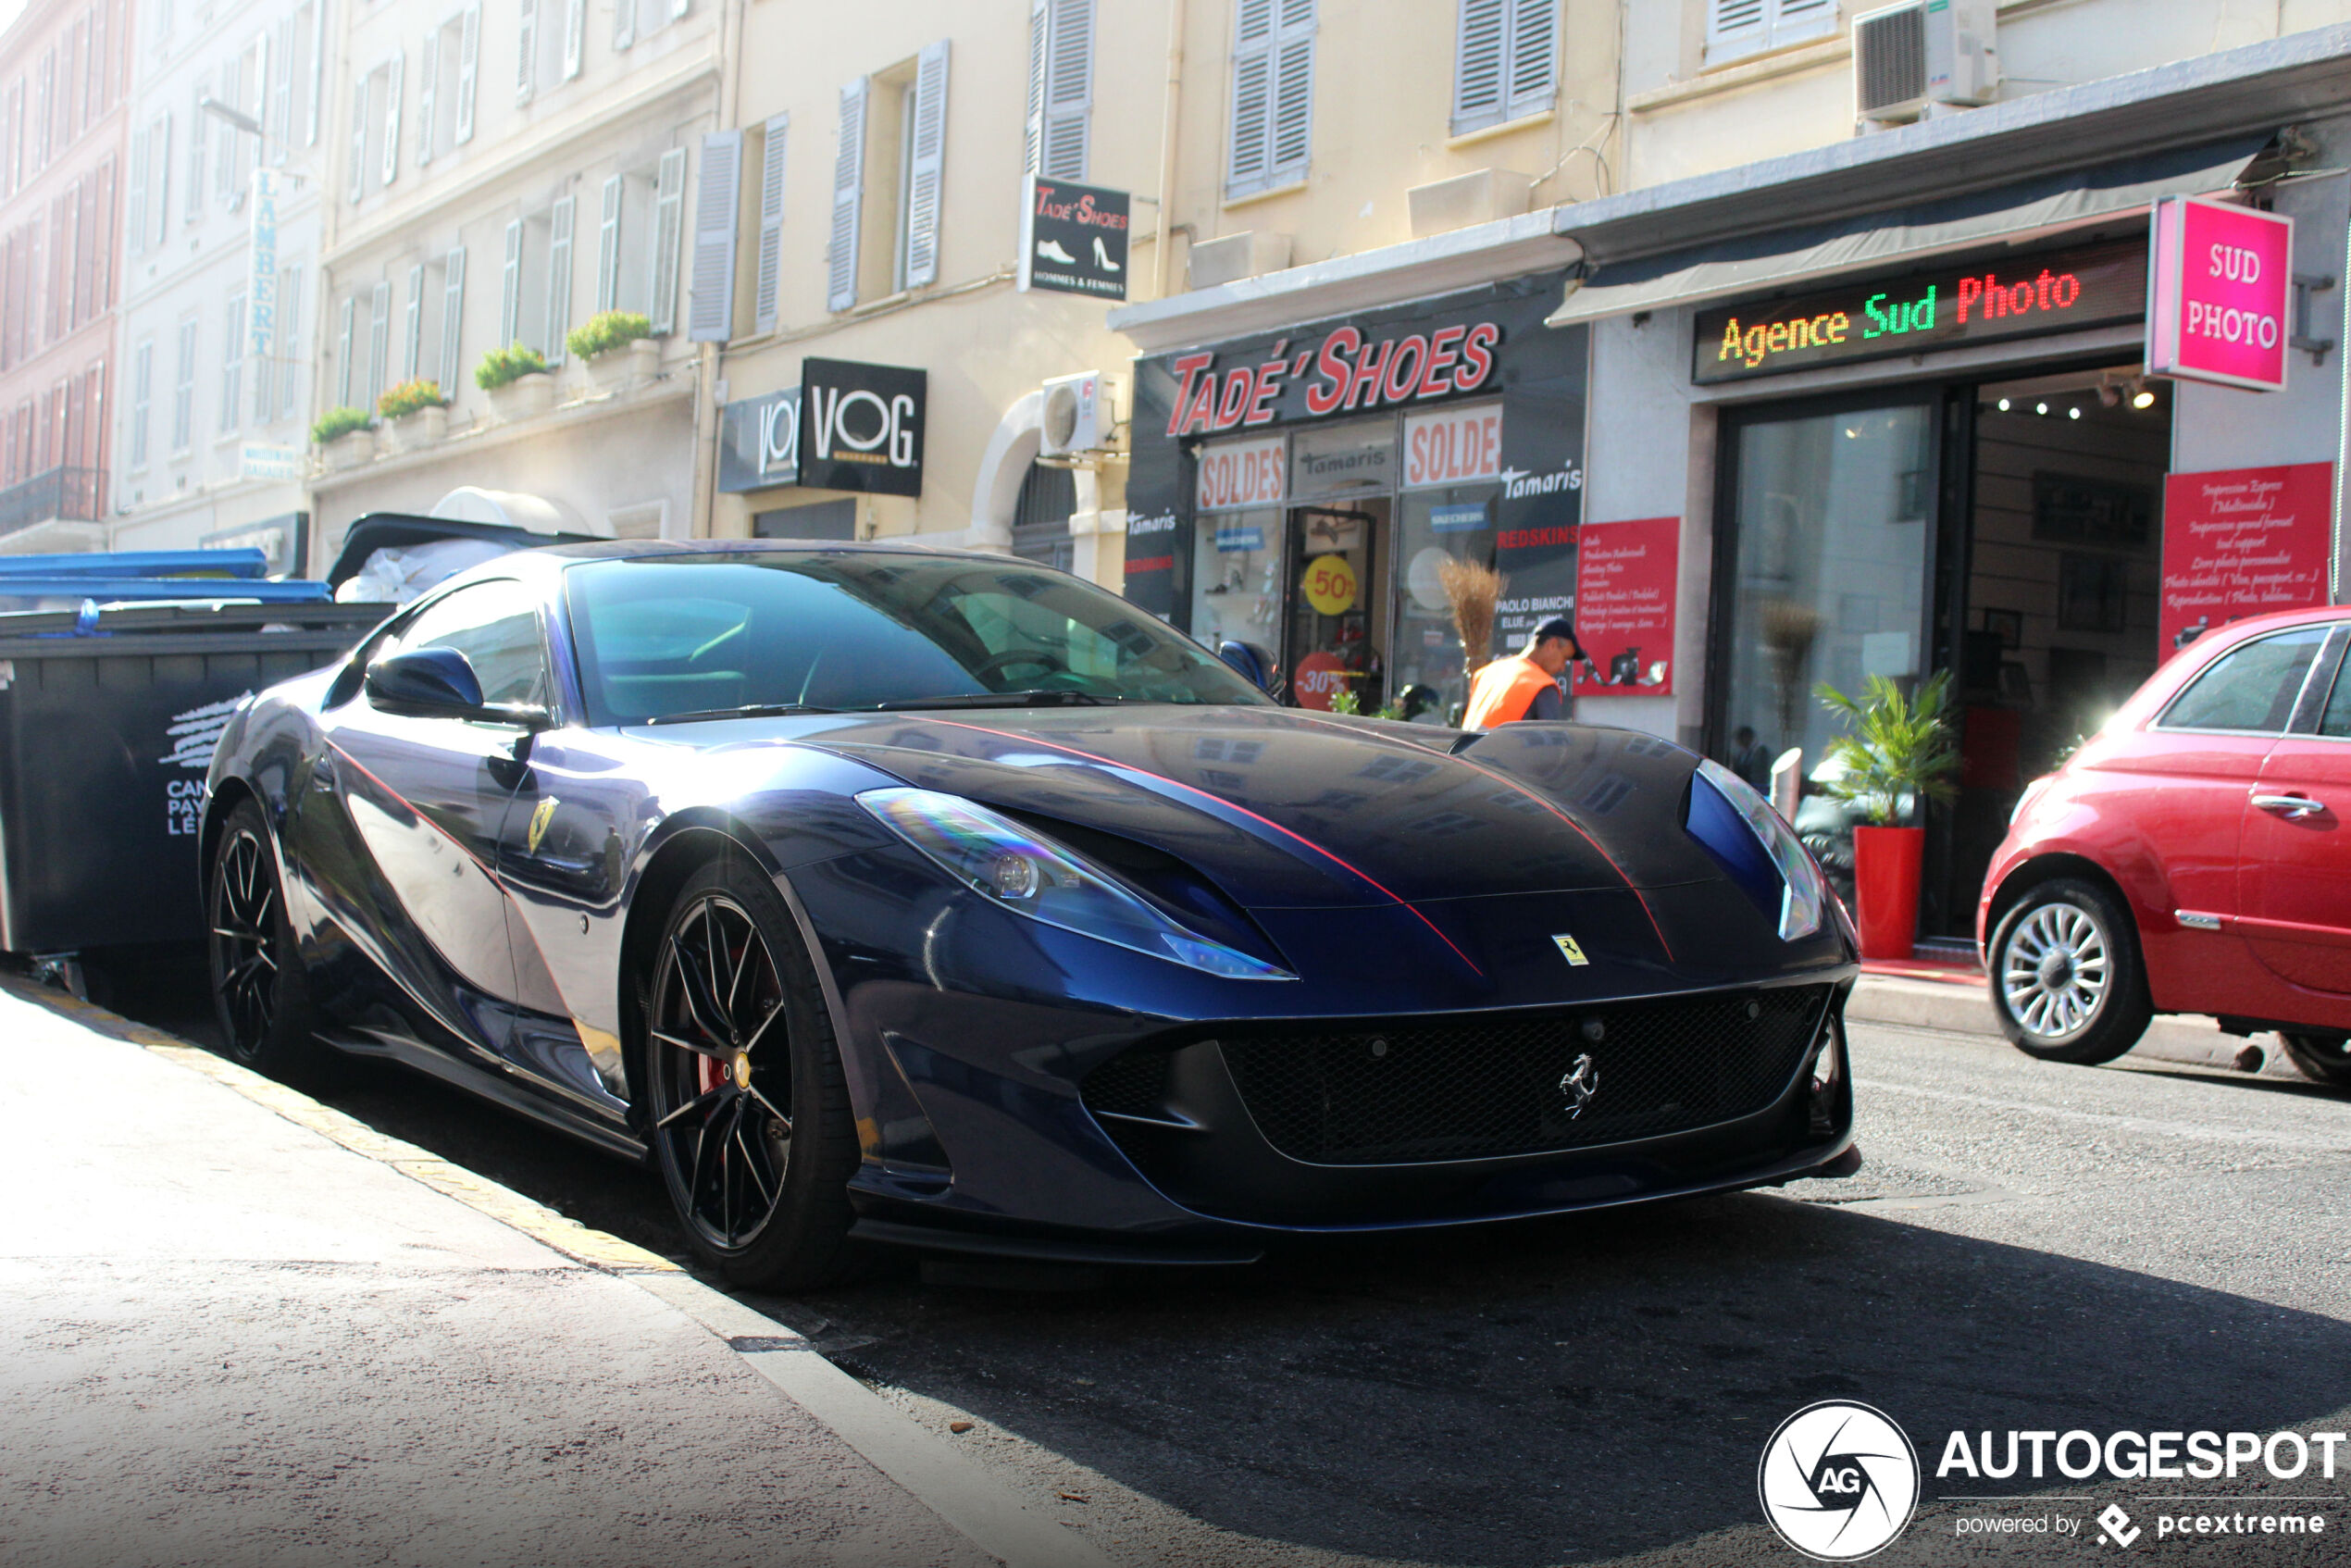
(2193, 856)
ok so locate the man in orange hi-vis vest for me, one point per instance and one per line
(1525, 685)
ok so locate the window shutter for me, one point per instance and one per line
(183, 391)
(669, 221)
(452, 316)
(1039, 26)
(527, 40)
(142, 376)
(849, 190)
(1293, 91)
(559, 278)
(678, 9)
(926, 166)
(159, 181)
(290, 358)
(391, 114)
(468, 67)
(1478, 64)
(281, 90)
(358, 183)
(1795, 20)
(318, 73)
(608, 246)
(1069, 89)
(135, 197)
(192, 209)
(378, 340)
(510, 288)
(623, 24)
(232, 363)
(227, 190)
(575, 36)
(261, 99)
(710, 309)
(344, 369)
(1737, 25)
(412, 327)
(1253, 96)
(427, 95)
(771, 227)
(1534, 56)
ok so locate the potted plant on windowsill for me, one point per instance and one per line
(416, 412)
(346, 436)
(1899, 757)
(617, 347)
(517, 382)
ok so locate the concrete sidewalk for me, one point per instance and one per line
(1957, 1007)
(231, 1339)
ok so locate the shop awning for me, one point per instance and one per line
(1757, 263)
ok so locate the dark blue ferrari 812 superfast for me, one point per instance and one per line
(885, 895)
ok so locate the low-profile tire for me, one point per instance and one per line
(747, 1112)
(2067, 979)
(260, 992)
(2322, 1058)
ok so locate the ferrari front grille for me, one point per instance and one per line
(1564, 1080)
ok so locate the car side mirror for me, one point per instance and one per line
(440, 683)
(429, 681)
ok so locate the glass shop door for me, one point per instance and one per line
(1338, 624)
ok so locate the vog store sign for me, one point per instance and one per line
(861, 427)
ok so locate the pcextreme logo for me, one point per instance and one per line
(1838, 1480)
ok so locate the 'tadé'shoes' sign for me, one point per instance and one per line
(1073, 238)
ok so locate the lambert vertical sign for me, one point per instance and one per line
(2223, 278)
(261, 282)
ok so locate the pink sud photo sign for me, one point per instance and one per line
(2220, 280)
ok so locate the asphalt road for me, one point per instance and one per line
(2031, 1246)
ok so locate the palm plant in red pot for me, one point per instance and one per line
(1898, 755)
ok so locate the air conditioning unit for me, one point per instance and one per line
(1077, 417)
(1922, 53)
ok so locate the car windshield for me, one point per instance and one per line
(681, 636)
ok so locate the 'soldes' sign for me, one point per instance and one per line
(2223, 276)
(1969, 303)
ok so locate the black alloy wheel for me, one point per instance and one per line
(260, 994)
(2322, 1058)
(749, 1112)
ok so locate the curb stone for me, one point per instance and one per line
(937, 1473)
(1966, 1009)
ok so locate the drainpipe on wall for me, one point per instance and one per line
(1163, 232)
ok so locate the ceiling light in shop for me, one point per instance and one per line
(2004, 405)
(2040, 408)
(2143, 398)
(2074, 412)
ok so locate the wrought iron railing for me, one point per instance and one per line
(79, 494)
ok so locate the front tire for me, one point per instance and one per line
(2322, 1058)
(749, 1112)
(260, 993)
(2067, 979)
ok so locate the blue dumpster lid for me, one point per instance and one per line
(241, 564)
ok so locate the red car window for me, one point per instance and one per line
(2249, 688)
(2337, 721)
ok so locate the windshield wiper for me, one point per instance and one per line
(749, 710)
(1062, 698)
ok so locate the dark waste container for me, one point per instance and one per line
(107, 728)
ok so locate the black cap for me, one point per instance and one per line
(1557, 626)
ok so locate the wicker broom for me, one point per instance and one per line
(1473, 589)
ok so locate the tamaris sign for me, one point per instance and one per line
(2223, 276)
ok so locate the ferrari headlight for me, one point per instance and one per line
(1021, 870)
(1803, 894)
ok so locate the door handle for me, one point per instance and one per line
(2291, 807)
